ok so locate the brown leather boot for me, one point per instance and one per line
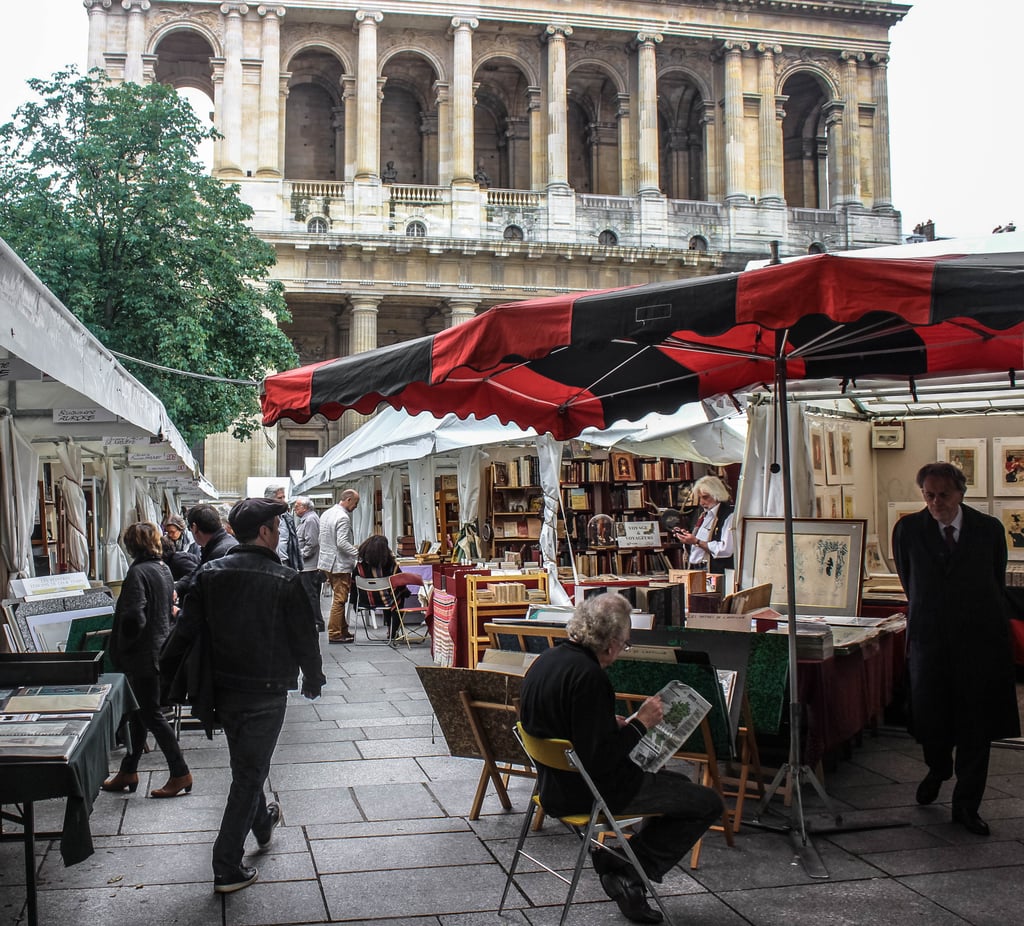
(174, 786)
(122, 781)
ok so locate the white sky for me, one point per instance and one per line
(954, 77)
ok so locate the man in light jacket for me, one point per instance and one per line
(338, 554)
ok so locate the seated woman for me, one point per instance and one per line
(376, 561)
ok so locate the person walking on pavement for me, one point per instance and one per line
(307, 529)
(255, 619)
(204, 521)
(288, 548)
(951, 560)
(338, 554)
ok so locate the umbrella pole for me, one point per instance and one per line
(792, 769)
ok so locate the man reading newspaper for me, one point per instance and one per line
(566, 694)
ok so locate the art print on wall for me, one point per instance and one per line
(968, 455)
(833, 456)
(1008, 465)
(816, 445)
(1011, 516)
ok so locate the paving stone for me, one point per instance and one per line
(406, 801)
(393, 748)
(337, 774)
(269, 904)
(414, 851)
(983, 897)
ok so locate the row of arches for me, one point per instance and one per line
(506, 100)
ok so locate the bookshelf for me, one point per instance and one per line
(446, 510)
(516, 504)
(490, 597)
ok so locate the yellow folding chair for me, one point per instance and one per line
(560, 755)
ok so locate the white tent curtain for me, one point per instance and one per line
(421, 491)
(19, 473)
(549, 454)
(77, 543)
(392, 516)
(115, 563)
(362, 517)
(470, 462)
(146, 508)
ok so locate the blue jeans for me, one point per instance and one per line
(252, 723)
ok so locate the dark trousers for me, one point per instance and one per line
(150, 719)
(312, 580)
(686, 809)
(252, 723)
(970, 766)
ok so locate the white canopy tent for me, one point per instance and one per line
(60, 387)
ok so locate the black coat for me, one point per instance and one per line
(958, 634)
(142, 617)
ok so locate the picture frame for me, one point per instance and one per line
(845, 455)
(888, 436)
(623, 467)
(897, 510)
(968, 455)
(1010, 514)
(833, 456)
(874, 563)
(816, 444)
(1008, 465)
(829, 562)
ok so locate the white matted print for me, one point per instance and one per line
(968, 455)
(1008, 465)
(1011, 515)
(898, 510)
(816, 439)
(833, 456)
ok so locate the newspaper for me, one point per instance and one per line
(684, 710)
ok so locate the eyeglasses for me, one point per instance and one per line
(624, 645)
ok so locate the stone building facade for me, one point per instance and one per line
(414, 162)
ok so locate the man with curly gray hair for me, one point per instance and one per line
(567, 695)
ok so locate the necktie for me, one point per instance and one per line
(950, 538)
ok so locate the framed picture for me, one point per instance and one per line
(898, 510)
(833, 456)
(888, 436)
(1008, 465)
(967, 454)
(849, 506)
(623, 467)
(816, 440)
(1011, 515)
(829, 561)
(874, 563)
(846, 454)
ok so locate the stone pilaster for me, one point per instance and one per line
(461, 310)
(827, 157)
(534, 107)
(367, 119)
(735, 153)
(135, 43)
(880, 159)
(363, 330)
(268, 164)
(231, 99)
(97, 32)
(770, 155)
(647, 136)
(558, 117)
(462, 100)
(849, 188)
(348, 100)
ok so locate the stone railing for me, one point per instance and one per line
(318, 189)
(813, 216)
(514, 199)
(696, 208)
(418, 194)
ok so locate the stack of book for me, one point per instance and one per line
(813, 638)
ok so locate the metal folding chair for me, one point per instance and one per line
(366, 587)
(559, 754)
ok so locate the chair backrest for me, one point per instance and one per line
(378, 592)
(553, 753)
(373, 585)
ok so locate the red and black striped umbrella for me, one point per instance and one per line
(566, 363)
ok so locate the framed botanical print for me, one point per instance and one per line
(968, 455)
(1008, 465)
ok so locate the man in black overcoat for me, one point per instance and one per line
(952, 562)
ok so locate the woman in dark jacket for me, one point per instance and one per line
(142, 620)
(376, 561)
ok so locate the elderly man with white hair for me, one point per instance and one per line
(307, 531)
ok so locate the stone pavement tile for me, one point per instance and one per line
(400, 853)
(397, 748)
(702, 909)
(198, 811)
(368, 711)
(401, 801)
(275, 904)
(131, 866)
(369, 895)
(320, 731)
(981, 853)
(304, 806)
(412, 728)
(298, 753)
(276, 863)
(894, 766)
(413, 708)
(838, 903)
(448, 768)
(375, 828)
(157, 905)
(456, 798)
(885, 839)
(345, 774)
(983, 897)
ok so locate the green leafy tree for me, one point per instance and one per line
(103, 196)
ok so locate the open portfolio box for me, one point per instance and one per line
(684, 710)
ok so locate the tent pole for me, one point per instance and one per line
(792, 769)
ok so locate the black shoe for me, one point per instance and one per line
(241, 878)
(970, 821)
(274, 812)
(928, 789)
(631, 897)
(605, 862)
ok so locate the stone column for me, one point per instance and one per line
(533, 108)
(348, 101)
(735, 154)
(231, 120)
(558, 117)
(462, 100)
(282, 114)
(367, 121)
(647, 118)
(829, 157)
(442, 102)
(882, 176)
(461, 310)
(268, 164)
(363, 330)
(849, 189)
(97, 32)
(136, 39)
(770, 155)
(711, 182)
(338, 120)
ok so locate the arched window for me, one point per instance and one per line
(608, 238)
(698, 243)
(318, 226)
(415, 230)
(816, 248)
(513, 233)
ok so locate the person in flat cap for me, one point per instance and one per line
(259, 630)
